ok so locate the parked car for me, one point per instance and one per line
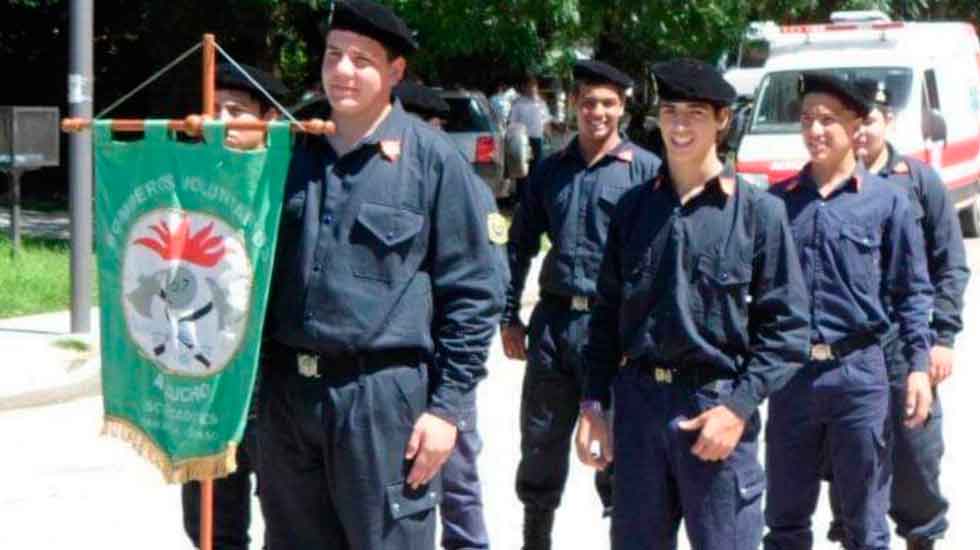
(473, 126)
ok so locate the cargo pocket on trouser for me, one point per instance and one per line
(411, 520)
(750, 481)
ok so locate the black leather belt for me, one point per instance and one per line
(846, 345)
(312, 365)
(574, 303)
(692, 376)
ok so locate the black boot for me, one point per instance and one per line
(537, 529)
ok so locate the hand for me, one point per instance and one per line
(721, 430)
(594, 430)
(429, 446)
(918, 399)
(940, 364)
(514, 338)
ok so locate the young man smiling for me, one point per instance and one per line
(570, 197)
(700, 315)
(917, 507)
(862, 251)
(384, 266)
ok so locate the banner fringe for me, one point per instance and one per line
(192, 469)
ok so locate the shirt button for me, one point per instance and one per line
(328, 219)
(724, 276)
(316, 268)
(391, 235)
(308, 316)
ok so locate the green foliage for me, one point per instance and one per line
(36, 280)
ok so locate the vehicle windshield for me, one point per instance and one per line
(465, 115)
(777, 106)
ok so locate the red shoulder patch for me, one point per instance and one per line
(626, 155)
(901, 168)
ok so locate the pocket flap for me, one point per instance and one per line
(751, 481)
(388, 224)
(610, 194)
(862, 236)
(403, 501)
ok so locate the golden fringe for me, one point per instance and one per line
(193, 469)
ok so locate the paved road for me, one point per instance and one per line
(63, 486)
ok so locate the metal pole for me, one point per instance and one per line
(14, 212)
(80, 163)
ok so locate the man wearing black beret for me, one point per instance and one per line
(918, 506)
(236, 97)
(570, 197)
(864, 257)
(701, 313)
(384, 267)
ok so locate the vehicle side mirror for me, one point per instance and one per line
(517, 151)
(934, 126)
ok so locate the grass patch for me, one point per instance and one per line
(37, 280)
(72, 344)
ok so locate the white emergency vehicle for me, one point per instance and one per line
(931, 69)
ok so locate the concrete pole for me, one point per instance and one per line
(80, 93)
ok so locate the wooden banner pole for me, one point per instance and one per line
(207, 111)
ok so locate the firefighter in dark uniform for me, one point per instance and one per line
(570, 197)
(863, 254)
(701, 314)
(918, 507)
(236, 98)
(463, 523)
(384, 267)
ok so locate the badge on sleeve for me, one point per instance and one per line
(497, 228)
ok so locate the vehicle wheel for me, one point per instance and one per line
(970, 219)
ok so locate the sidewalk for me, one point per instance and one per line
(42, 363)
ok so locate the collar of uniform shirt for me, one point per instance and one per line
(387, 132)
(622, 152)
(895, 163)
(724, 181)
(852, 183)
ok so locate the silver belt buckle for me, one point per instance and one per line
(821, 352)
(663, 376)
(580, 303)
(306, 364)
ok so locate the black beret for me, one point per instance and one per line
(375, 21)
(874, 91)
(846, 92)
(599, 72)
(421, 100)
(692, 80)
(228, 77)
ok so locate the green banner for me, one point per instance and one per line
(185, 238)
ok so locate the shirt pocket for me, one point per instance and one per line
(862, 249)
(609, 196)
(720, 297)
(382, 239)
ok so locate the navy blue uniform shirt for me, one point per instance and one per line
(571, 202)
(714, 283)
(857, 245)
(387, 247)
(945, 254)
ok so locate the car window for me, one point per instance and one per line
(777, 109)
(465, 115)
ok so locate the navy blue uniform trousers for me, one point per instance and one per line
(333, 468)
(232, 500)
(550, 400)
(918, 506)
(659, 481)
(831, 412)
(463, 523)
